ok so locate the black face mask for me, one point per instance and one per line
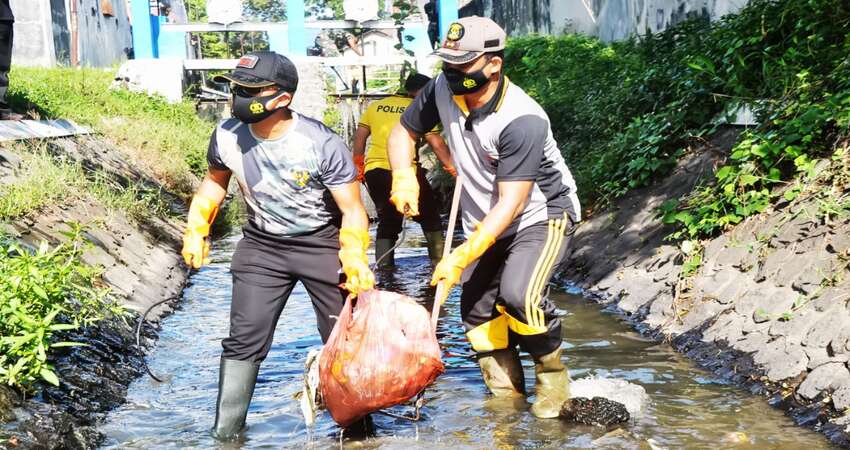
(252, 109)
(461, 83)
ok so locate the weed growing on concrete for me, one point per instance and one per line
(43, 293)
(45, 180)
(41, 182)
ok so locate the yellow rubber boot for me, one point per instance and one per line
(552, 385)
(502, 372)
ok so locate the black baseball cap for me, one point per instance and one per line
(261, 69)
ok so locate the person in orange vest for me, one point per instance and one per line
(374, 167)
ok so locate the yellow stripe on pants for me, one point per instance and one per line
(539, 279)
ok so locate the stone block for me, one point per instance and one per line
(778, 260)
(727, 328)
(773, 302)
(825, 330)
(841, 398)
(731, 257)
(830, 376)
(660, 310)
(781, 361)
(795, 329)
(725, 286)
(152, 76)
(793, 231)
(751, 342)
(746, 304)
(838, 242)
(701, 312)
(714, 247)
(639, 296)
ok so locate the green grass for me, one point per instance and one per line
(45, 180)
(168, 139)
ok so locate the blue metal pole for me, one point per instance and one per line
(447, 13)
(296, 31)
(171, 44)
(144, 30)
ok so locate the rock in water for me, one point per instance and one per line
(597, 411)
(631, 395)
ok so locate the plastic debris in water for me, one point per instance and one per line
(311, 397)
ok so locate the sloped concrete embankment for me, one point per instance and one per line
(141, 266)
(768, 308)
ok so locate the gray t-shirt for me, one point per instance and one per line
(509, 139)
(287, 181)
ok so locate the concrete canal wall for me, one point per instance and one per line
(768, 306)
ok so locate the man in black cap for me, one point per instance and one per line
(519, 204)
(306, 221)
(7, 22)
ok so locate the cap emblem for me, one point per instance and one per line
(248, 61)
(455, 32)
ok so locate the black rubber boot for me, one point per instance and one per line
(436, 243)
(236, 381)
(385, 247)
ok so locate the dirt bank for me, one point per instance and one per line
(141, 266)
(767, 308)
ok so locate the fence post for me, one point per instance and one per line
(447, 13)
(295, 24)
(145, 30)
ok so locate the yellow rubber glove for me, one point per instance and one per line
(196, 246)
(448, 271)
(353, 243)
(405, 191)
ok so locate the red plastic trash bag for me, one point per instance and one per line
(381, 352)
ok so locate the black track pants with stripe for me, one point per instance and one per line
(504, 303)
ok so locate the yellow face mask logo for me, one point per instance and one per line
(256, 108)
(469, 83)
(455, 32)
(301, 178)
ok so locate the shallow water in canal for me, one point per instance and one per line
(689, 407)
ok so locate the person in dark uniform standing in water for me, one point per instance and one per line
(374, 167)
(306, 221)
(519, 205)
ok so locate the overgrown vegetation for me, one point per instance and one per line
(169, 139)
(43, 293)
(624, 112)
(45, 180)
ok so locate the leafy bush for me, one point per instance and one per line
(624, 112)
(42, 293)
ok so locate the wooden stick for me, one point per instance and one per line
(442, 293)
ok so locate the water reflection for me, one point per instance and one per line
(689, 409)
